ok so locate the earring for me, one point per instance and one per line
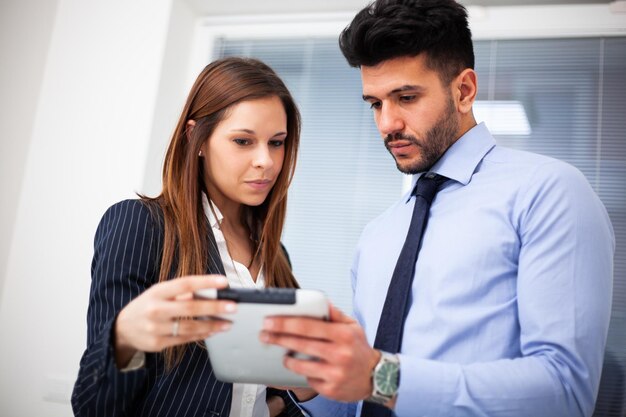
(200, 154)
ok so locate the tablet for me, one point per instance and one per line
(237, 355)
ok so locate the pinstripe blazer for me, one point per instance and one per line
(127, 256)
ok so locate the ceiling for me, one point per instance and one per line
(528, 2)
(221, 7)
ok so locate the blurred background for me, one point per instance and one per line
(90, 92)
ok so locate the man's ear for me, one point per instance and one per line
(190, 125)
(466, 88)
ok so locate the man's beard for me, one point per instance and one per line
(435, 143)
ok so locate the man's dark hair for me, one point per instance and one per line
(389, 29)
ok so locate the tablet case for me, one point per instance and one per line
(237, 355)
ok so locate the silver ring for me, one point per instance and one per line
(175, 326)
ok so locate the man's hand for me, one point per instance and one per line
(344, 369)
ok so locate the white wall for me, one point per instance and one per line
(23, 51)
(172, 91)
(88, 127)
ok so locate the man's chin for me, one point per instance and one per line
(411, 167)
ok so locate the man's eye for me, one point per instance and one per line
(242, 142)
(375, 105)
(276, 143)
(407, 99)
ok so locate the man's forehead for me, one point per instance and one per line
(393, 83)
(397, 73)
(417, 62)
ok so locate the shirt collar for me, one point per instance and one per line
(214, 216)
(460, 161)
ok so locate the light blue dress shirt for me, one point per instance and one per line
(511, 299)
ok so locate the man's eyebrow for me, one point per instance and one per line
(406, 87)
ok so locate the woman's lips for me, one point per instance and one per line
(259, 184)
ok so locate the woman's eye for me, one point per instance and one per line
(242, 142)
(277, 143)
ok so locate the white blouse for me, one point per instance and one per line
(248, 399)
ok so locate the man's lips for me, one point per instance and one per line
(399, 144)
(399, 148)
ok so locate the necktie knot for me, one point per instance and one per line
(428, 185)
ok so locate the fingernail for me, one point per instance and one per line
(221, 281)
(265, 337)
(230, 307)
(268, 324)
(225, 326)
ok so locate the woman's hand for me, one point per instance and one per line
(148, 322)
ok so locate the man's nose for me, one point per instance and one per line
(389, 121)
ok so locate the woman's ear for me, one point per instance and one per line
(190, 125)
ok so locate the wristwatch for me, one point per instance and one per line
(385, 378)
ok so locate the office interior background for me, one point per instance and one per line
(90, 92)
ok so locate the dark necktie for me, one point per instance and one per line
(395, 309)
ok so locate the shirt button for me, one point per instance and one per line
(250, 399)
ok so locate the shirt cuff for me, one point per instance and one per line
(425, 385)
(136, 362)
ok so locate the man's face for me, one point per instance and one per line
(415, 114)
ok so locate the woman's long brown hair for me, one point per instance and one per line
(219, 86)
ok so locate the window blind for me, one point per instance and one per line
(344, 175)
(572, 95)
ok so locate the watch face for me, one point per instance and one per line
(387, 379)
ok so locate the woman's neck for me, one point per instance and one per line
(231, 215)
(237, 235)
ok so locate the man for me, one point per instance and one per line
(510, 296)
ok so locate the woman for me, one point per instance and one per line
(221, 211)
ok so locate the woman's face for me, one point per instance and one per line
(245, 153)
